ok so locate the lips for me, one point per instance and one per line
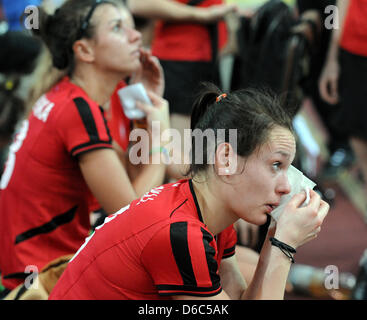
(270, 207)
(136, 53)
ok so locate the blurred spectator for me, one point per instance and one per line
(11, 110)
(314, 12)
(18, 52)
(186, 40)
(344, 76)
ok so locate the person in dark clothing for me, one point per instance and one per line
(315, 10)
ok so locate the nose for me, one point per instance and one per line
(283, 186)
(134, 35)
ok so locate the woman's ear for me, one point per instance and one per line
(83, 51)
(226, 160)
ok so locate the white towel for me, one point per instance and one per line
(298, 184)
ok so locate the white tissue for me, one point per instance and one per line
(298, 183)
(128, 97)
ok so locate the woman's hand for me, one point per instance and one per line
(150, 74)
(296, 225)
(328, 83)
(158, 111)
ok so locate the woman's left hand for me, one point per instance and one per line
(150, 74)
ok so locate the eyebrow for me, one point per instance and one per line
(284, 154)
(115, 20)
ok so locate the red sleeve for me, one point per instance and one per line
(118, 123)
(181, 259)
(82, 127)
(230, 242)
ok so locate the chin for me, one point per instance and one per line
(258, 219)
(261, 219)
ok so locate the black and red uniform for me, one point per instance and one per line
(156, 247)
(44, 199)
(187, 53)
(353, 71)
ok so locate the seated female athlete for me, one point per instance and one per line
(178, 241)
(63, 151)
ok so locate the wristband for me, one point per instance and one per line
(286, 249)
(162, 150)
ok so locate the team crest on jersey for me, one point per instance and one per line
(42, 108)
(151, 195)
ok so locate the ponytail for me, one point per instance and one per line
(206, 97)
(11, 109)
(57, 40)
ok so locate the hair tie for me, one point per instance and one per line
(220, 97)
(9, 85)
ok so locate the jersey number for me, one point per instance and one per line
(15, 146)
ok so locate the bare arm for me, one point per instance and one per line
(271, 274)
(231, 277)
(295, 227)
(107, 179)
(174, 11)
(147, 176)
(143, 177)
(328, 83)
(343, 6)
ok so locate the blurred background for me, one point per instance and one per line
(292, 52)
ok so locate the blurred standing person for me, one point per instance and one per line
(185, 36)
(344, 75)
(314, 12)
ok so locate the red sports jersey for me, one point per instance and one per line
(43, 202)
(119, 126)
(186, 41)
(156, 247)
(354, 37)
(117, 121)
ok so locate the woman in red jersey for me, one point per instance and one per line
(344, 75)
(64, 149)
(187, 37)
(178, 241)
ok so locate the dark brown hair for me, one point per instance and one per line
(11, 109)
(253, 112)
(60, 30)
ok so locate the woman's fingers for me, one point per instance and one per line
(297, 199)
(156, 99)
(145, 107)
(323, 88)
(328, 83)
(315, 200)
(323, 210)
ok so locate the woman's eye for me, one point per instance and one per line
(117, 27)
(276, 165)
